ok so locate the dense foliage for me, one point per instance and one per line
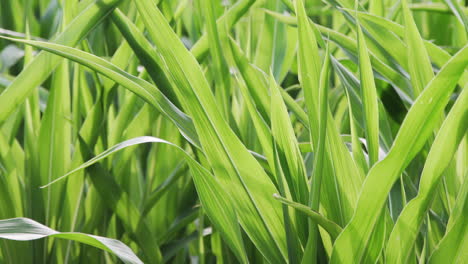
(209, 131)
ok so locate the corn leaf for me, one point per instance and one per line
(42, 65)
(24, 229)
(238, 171)
(448, 138)
(453, 246)
(421, 119)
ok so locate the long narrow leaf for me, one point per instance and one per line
(369, 100)
(42, 65)
(238, 171)
(421, 119)
(448, 138)
(24, 229)
(218, 206)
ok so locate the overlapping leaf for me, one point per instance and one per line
(24, 229)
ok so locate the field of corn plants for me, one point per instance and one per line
(234, 131)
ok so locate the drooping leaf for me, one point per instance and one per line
(139, 86)
(332, 228)
(24, 229)
(238, 171)
(218, 206)
(43, 64)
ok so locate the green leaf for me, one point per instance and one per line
(271, 45)
(219, 67)
(448, 138)
(139, 86)
(255, 79)
(421, 120)
(438, 55)
(24, 229)
(369, 100)
(261, 127)
(342, 186)
(420, 68)
(331, 227)
(44, 63)
(237, 170)
(54, 140)
(453, 247)
(217, 206)
(319, 161)
(458, 12)
(287, 147)
(378, 60)
(145, 52)
(227, 21)
(289, 169)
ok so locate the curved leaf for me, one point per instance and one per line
(43, 64)
(217, 205)
(237, 170)
(453, 248)
(448, 138)
(420, 120)
(331, 227)
(137, 85)
(24, 229)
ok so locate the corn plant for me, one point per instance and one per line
(241, 131)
